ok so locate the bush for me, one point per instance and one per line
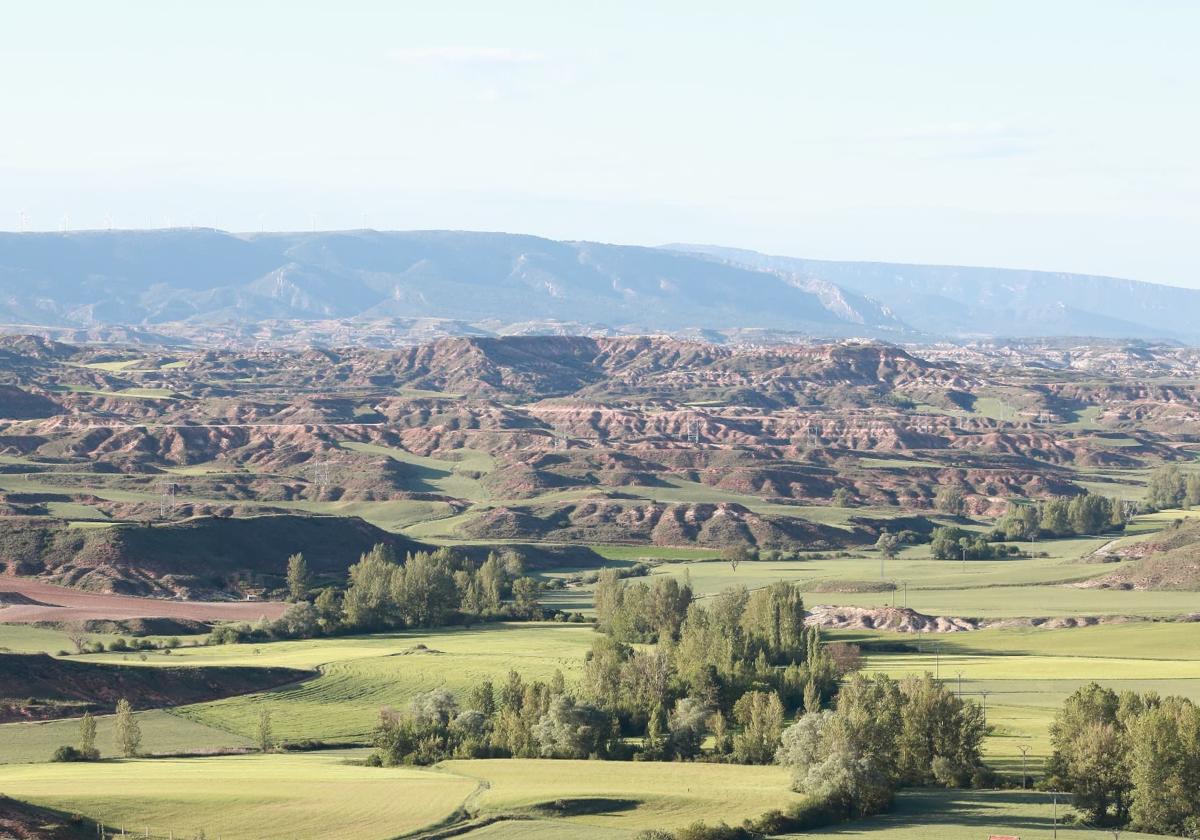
(69, 753)
(720, 831)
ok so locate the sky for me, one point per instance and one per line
(1054, 135)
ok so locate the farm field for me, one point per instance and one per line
(647, 794)
(329, 795)
(246, 797)
(960, 815)
(60, 603)
(1022, 676)
(163, 733)
(360, 675)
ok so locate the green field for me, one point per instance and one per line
(663, 795)
(330, 795)
(436, 475)
(360, 675)
(1019, 672)
(964, 815)
(163, 733)
(247, 797)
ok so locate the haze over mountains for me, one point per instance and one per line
(447, 282)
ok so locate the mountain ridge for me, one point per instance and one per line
(941, 299)
(424, 283)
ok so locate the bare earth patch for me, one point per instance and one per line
(25, 600)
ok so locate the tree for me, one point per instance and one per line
(483, 698)
(1090, 753)
(423, 589)
(77, 636)
(773, 623)
(812, 697)
(329, 609)
(1089, 514)
(1055, 519)
(888, 545)
(955, 543)
(761, 715)
(265, 737)
(607, 597)
(842, 497)
(491, 580)
(297, 577)
(127, 734)
(1167, 487)
(1165, 768)
(299, 621)
(368, 600)
(688, 724)
(571, 730)
(1021, 523)
(525, 596)
(87, 737)
(847, 759)
(950, 500)
(736, 555)
(941, 735)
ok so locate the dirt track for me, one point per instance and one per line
(60, 603)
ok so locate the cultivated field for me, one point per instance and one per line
(37, 601)
(248, 797)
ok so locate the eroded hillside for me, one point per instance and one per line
(551, 439)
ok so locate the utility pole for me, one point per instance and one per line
(166, 499)
(1024, 748)
(320, 475)
(1055, 813)
(985, 694)
(905, 594)
(960, 685)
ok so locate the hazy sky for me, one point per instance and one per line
(1051, 134)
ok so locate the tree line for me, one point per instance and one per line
(1171, 487)
(675, 679)
(666, 674)
(1082, 515)
(127, 736)
(427, 589)
(1129, 759)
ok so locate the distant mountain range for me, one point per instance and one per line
(499, 283)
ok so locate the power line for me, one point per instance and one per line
(166, 499)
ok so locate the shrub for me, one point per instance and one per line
(69, 753)
(720, 831)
